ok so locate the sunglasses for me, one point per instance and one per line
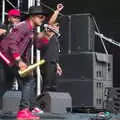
(18, 17)
(41, 16)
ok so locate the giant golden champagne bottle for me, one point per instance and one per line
(30, 68)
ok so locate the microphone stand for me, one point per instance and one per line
(107, 39)
(100, 37)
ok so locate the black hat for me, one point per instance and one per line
(34, 10)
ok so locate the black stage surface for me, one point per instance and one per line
(67, 116)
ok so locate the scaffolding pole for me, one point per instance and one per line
(3, 11)
(31, 3)
(4, 5)
(18, 4)
(38, 59)
(32, 49)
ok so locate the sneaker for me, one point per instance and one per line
(25, 114)
(37, 110)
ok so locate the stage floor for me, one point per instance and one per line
(51, 116)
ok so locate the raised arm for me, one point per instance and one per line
(55, 14)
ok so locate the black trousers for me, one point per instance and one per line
(48, 71)
(27, 86)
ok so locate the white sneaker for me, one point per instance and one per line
(37, 110)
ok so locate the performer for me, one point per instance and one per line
(50, 52)
(13, 18)
(16, 47)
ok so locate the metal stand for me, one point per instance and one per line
(107, 39)
(100, 37)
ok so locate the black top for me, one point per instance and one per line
(50, 52)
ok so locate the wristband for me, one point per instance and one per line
(56, 11)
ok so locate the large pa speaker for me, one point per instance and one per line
(87, 65)
(80, 90)
(55, 102)
(86, 76)
(77, 32)
(85, 92)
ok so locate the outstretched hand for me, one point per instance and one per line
(60, 6)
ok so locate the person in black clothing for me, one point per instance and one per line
(50, 52)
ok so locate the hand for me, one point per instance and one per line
(59, 70)
(49, 33)
(40, 34)
(22, 65)
(60, 7)
(2, 31)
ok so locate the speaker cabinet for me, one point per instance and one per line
(87, 65)
(65, 38)
(77, 32)
(11, 100)
(86, 76)
(85, 92)
(55, 102)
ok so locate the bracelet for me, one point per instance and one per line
(56, 11)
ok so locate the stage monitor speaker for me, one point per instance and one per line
(11, 100)
(77, 33)
(55, 102)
